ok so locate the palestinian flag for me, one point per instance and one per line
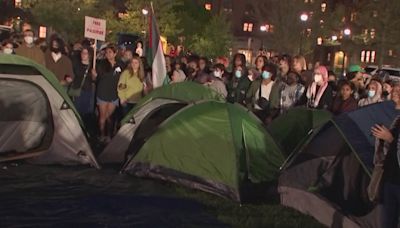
(155, 52)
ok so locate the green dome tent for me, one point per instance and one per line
(212, 146)
(329, 175)
(38, 121)
(183, 91)
(293, 128)
(156, 101)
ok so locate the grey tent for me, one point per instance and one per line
(38, 121)
(328, 176)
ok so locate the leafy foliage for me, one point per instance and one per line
(214, 39)
(66, 16)
(133, 21)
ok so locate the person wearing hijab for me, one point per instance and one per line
(319, 94)
(374, 94)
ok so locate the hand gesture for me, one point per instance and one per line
(381, 132)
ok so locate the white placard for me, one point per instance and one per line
(95, 28)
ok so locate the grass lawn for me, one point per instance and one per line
(250, 215)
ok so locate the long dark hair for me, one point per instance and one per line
(242, 58)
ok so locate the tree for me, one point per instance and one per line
(380, 28)
(66, 16)
(289, 31)
(213, 40)
(284, 16)
(133, 21)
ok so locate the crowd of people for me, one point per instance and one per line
(269, 87)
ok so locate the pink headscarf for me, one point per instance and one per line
(312, 92)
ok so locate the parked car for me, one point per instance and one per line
(386, 71)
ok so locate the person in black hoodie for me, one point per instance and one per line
(107, 74)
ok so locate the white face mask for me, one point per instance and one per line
(317, 78)
(28, 39)
(371, 93)
(218, 74)
(7, 50)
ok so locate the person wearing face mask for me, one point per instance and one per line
(291, 92)
(58, 63)
(238, 85)
(387, 89)
(216, 82)
(192, 68)
(374, 94)
(319, 94)
(7, 47)
(259, 94)
(344, 101)
(219, 73)
(29, 50)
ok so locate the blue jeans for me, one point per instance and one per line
(85, 102)
(391, 205)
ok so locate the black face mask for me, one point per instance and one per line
(190, 70)
(55, 50)
(385, 93)
(290, 81)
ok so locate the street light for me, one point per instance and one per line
(263, 29)
(347, 33)
(145, 12)
(334, 38)
(303, 18)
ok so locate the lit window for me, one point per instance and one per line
(323, 7)
(321, 22)
(362, 56)
(372, 33)
(365, 31)
(245, 27)
(308, 32)
(271, 28)
(390, 52)
(18, 3)
(208, 6)
(42, 32)
(373, 56)
(319, 41)
(250, 27)
(305, 1)
(367, 56)
(353, 16)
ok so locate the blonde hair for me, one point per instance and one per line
(141, 74)
(301, 60)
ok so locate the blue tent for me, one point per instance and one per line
(329, 175)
